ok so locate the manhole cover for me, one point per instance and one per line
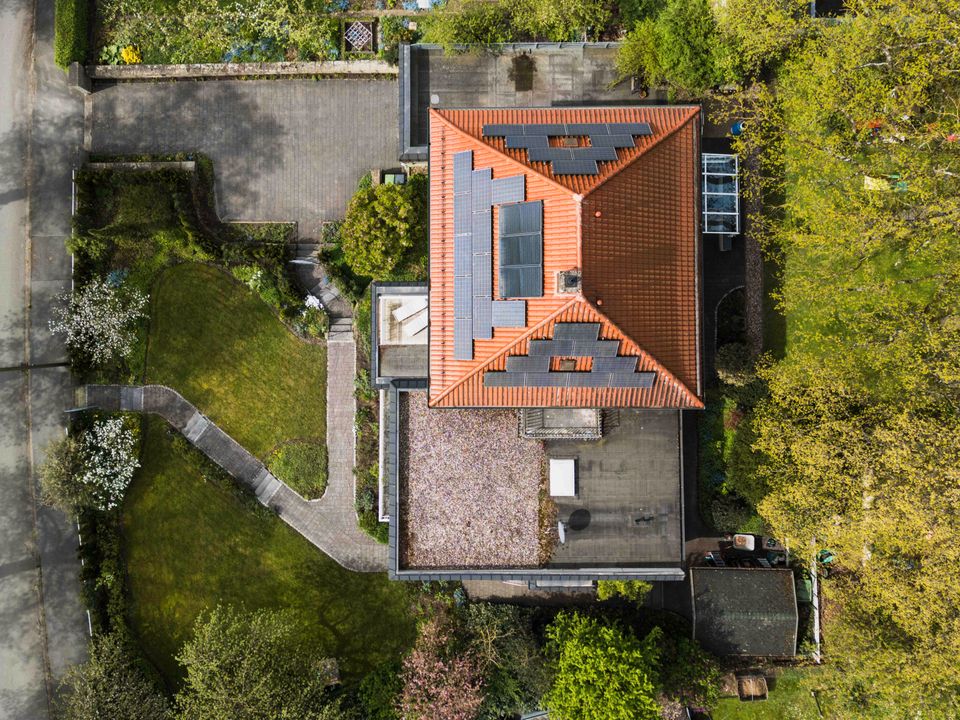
(579, 519)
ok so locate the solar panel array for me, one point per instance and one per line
(475, 314)
(521, 250)
(609, 370)
(605, 139)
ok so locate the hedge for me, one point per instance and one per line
(70, 31)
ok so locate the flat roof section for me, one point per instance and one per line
(512, 75)
(400, 322)
(469, 488)
(627, 509)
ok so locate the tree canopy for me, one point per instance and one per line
(602, 672)
(857, 157)
(110, 685)
(246, 666)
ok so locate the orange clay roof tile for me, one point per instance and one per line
(639, 257)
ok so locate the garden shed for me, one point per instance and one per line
(745, 611)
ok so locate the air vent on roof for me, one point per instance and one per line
(568, 282)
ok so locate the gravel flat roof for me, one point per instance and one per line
(469, 488)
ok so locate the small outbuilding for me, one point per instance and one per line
(745, 611)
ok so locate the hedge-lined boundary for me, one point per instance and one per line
(70, 31)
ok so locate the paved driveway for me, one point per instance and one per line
(283, 149)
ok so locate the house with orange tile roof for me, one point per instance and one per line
(533, 390)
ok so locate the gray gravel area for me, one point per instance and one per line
(469, 488)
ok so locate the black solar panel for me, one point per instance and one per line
(462, 255)
(550, 129)
(521, 282)
(508, 189)
(521, 250)
(549, 154)
(615, 141)
(462, 166)
(576, 331)
(501, 130)
(480, 189)
(575, 167)
(463, 296)
(595, 153)
(584, 128)
(482, 318)
(618, 364)
(629, 129)
(568, 379)
(515, 142)
(509, 313)
(463, 339)
(522, 363)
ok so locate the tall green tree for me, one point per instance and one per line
(602, 671)
(857, 156)
(247, 666)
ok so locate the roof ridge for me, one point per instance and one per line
(439, 112)
(692, 112)
(507, 347)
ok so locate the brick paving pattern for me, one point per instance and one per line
(290, 150)
(329, 523)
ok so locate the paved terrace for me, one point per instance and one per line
(330, 523)
(283, 149)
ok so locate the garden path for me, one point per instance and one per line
(330, 523)
(282, 149)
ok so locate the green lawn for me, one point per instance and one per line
(192, 539)
(787, 701)
(192, 542)
(221, 347)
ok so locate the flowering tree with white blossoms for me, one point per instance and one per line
(92, 470)
(109, 451)
(98, 320)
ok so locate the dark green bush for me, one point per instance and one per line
(71, 28)
(379, 691)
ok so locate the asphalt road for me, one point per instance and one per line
(43, 627)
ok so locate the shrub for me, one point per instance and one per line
(440, 680)
(634, 590)
(301, 464)
(602, 671)
(638, 53)
(764, 31)
(58, 485)
(689, 675)
(379, 692)
(686, 44)
(383, 225)
(246, 666)
(734, 364)
(515, 672)
(110, 685)
(70, 31)
(560, 20)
